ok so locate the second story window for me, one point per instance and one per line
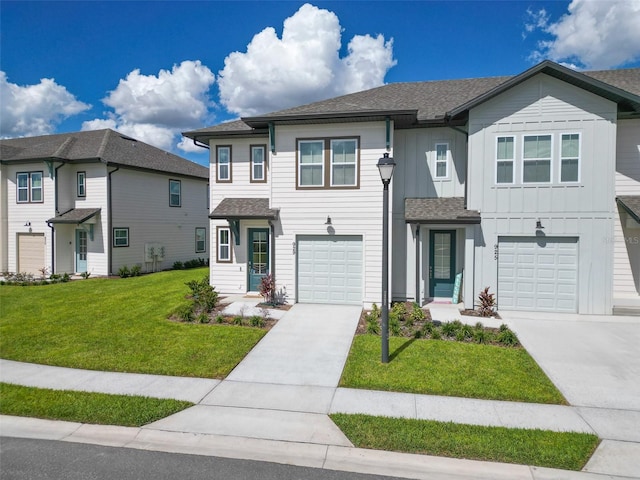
(223, 163)
(29, 187)
(505, 159)
(311, 163)
(201, 239)
(536, 159)
(258, 163)
(442, 160)
(328, 163)
(175, 193)
(343, 162)
(570, 157)
(81, 183)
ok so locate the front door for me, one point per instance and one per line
(81, 251)
(442, 262)
(258, 256)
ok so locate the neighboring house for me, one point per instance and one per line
(97, 201)
(529, 185)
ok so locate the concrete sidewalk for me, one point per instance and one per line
(274, 407)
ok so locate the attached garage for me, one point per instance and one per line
(31, 252)
(538, 273)
(330, 269)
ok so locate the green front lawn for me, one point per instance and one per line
(118, 325)
(85, 407)
(566, 450)
(439, 367)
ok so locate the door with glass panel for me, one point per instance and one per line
(258, 256)
(442, 262)
(81, 251)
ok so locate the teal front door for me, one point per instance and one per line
(258, 256)
(442, 262)
(81, 251)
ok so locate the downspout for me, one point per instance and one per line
(57, 211)
(272, 229)
(109, 219)
(466, 169)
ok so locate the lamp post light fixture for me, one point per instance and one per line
(385, 167)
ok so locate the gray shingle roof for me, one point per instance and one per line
(106, 146)
(420, 102)
(236, 208)
(631, 203)
(75, 215)
(439, 210)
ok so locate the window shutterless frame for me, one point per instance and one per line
(258, 163)
(344, 162)
(175, 193)
(441, 164)
(223, 245)
(121, 237)
(81, 184)
(537, 158)
(223, 164)
(29, 187)
(201, 239)
(505, 159)
(328, 163)
(570, 157)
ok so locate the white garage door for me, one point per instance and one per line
(31, 252)
(330, 269)
(538, 273)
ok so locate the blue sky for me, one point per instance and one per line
(154, 69)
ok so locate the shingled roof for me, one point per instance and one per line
(416, 103)
(106, 146)
(439, 210)
(236, 208)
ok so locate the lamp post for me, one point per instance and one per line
(385, 167)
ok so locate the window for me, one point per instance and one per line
(326, 163)
(29, 187)
(570, 157)
(81, 184)
(311, 166)
(505, 158)
(343, 162)
(442, 160)
(120, 237)
(258, 163)
(224, 244)
(223, 160)
(536, 159)
(201, 239)
(175, 194)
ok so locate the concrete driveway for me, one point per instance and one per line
(593, 360)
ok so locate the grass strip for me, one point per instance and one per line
(457, 369)
(564, 450)
(85, 407)
(118, 325)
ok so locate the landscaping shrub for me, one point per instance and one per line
(203, 317)
(177, 265)
(256, 321)
(185, 313)
(136, 270)
(238, 320)
(507, 337)
(267, 288)
(487, 303)
(124, 271)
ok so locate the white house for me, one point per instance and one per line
(529, 185)
(96, 201)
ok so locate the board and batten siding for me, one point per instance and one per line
(4, 251)
(414, 177)
(140, 202)
(545, 105)
(626, 238)
(21, 214)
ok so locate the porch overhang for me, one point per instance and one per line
(442, 211)
(235, 209)
(631, 204)
(76, 216)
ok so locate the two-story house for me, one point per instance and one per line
(96, 201)
(529, 185)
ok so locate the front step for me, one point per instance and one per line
(632, 311)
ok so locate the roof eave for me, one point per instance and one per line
(330, 117)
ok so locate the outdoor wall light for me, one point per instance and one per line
(539, 225)
(328, 222)
(28, 224)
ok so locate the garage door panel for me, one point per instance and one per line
(332, 272)
(542, 271)
(31, 252)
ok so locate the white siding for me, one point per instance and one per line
(4, 252)
(544, 105)
(626, 239)
(140, 202)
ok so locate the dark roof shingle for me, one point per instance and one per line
(439, 210)
(236, 208)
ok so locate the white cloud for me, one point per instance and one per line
(155, 109)
(594, 34)
(35, 109)
(302, 66)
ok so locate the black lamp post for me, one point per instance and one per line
(385, 166)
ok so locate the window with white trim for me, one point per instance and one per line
(505, 159)
(223, 163)
(121, 237)
(258, 163)
(328, 163)
(570, 157)
(201, 239)
(311, 163)
(442, 160)
(536, 159)
(29, 187)
(175, 193)
(224, 245)
(81, 183)
(344, 162)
